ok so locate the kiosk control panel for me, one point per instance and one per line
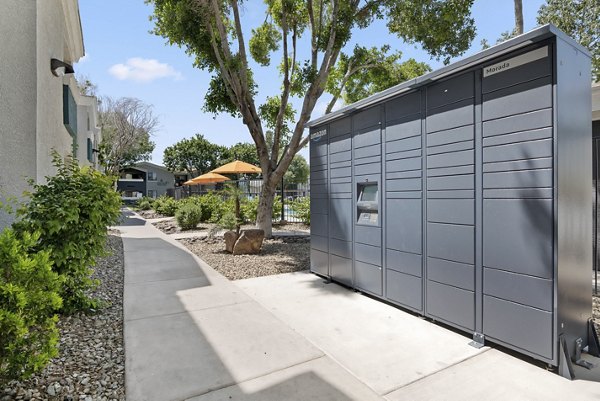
(368, 203)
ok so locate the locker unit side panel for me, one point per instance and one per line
(574, 194)
(319, 200)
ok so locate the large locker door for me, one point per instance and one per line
(403, 201)
(518, 215)
(319, 201)
(450, 184)
(366, 164)
(340, 201)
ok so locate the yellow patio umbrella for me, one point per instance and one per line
(237, 167)
(208, 178)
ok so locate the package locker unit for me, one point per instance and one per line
(464, 196)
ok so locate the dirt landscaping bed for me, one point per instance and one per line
(283, 255)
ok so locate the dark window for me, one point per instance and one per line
(90, 151)
(152, 176)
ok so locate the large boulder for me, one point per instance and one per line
(249, 242)
(230, 239)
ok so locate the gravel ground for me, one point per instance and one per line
(149, 214)
(91, 360)
(277, 256)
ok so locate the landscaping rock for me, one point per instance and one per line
(249, 242)
(230, 239)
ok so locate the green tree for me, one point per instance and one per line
(367, 71)
(211, 32)
(298, 171)
(196, 155)
(127, 125)
(579, 19)
(243, 151)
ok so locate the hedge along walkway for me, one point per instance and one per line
(189, 332)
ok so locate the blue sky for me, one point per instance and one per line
(124, 59)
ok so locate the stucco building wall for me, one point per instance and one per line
(31, 97)
(18, 93)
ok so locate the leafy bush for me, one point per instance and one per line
(71, 212)
(227, 221)
(188, 216)
(301, 207)
(165, 205)
(249, 208)
(145, 203)
(28, 301)
(216, 205)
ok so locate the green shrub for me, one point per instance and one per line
(213, 206)
(227, 221)
(71, 212)
(165, 205)
(301, 207)
(145, 203)
(188, 216)
(28, 301)
(249, 208)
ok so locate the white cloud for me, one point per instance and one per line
(143, 70)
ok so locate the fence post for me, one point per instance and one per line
(282, 202)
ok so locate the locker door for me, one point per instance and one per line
(366, 165)
(450, 181)
(340, 202)
(518, 214)
(404, 201)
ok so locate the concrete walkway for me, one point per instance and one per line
(192, 334)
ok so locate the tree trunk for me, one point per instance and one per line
(518, 17)
(264, 218)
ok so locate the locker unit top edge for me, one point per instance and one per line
(534, 36)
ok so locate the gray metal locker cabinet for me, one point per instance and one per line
(366, 165)
(404, 201)
(319, 202)
(340, 201)
(471, 196)
(450, 227)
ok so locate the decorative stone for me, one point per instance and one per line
(230, 239)
(249, 242)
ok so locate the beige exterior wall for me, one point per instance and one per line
(31, 98)
(18, 93)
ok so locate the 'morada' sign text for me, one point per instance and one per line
(515, 61)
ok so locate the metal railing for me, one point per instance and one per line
(251, 188)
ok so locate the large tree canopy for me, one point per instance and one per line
(579, 19)
(195, 155)
(211, 32)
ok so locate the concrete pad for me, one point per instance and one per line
(495, 375)
(178, 356)
(317, 380)
(149, 272)
(143, 300)
(383, 346)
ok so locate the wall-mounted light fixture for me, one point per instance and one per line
(60, 68)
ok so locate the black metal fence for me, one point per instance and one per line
(251, 189)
